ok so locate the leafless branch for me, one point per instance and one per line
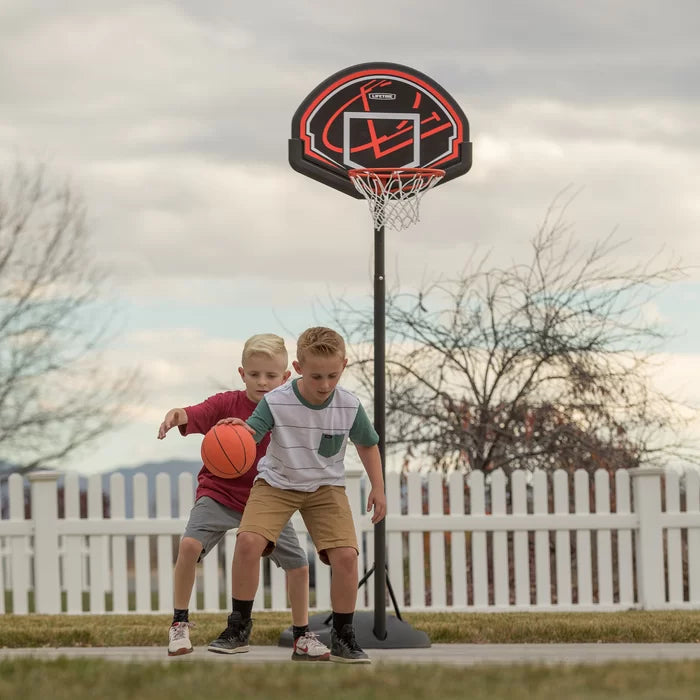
(56, 395)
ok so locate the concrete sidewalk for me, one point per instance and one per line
(451, 654)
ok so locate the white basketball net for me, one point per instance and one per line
(394, 194)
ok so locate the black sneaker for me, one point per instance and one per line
(234, 639)
(344, 648)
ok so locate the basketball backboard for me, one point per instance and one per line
(378, 115)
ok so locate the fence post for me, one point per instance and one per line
(649, 541)
(47, 587)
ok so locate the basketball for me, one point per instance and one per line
(228, 450)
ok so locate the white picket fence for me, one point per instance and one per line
(465, 543)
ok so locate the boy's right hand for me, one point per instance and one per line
(236, 421)
(173, 417)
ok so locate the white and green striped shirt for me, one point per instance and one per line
(307, 444)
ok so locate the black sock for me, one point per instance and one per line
(181, 615)
(299, 631)
(245, 607)
(341, 619)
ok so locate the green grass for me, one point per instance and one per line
(542, 628)
(77, 679)
(80, 679)
(471, 628)
(131, 601)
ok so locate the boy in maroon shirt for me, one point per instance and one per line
(219, 505)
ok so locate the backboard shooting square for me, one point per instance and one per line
(385, 133)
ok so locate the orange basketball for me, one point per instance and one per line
(228, 450)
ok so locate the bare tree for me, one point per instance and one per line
(56, 394)
(543, 364)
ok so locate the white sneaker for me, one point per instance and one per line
(309, 647)
(179, 639)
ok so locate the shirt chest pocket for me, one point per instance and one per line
(330, 444)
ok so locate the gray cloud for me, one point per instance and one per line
(173, 117)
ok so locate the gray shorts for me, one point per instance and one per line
(210, 521)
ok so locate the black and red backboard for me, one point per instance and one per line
(378, 115)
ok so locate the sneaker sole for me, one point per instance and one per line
(180, 652)
(343, 660)
(237, 650)
(306, 657)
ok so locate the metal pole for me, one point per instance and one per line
(379, 417)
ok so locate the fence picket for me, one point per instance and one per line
(96, 547)
(584, 570)
(479, 553)
(521, 555)
(416, 562)
(603, 539)
(674, 559)
(142, 555)
(562, 540)
(623, 506)
(692, 506)
(458, 558)
(438, 578)
(73, 562)
(117, 505)
(20, 561)
(501, 584)
(540, 493)
(164, 546)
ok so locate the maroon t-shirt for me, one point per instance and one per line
(232, 493)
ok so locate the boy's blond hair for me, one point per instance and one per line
(320, 341)
(267, 344)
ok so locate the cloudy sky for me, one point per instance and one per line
(172, 120)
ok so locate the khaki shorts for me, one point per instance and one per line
(210, 521)
(326, 513)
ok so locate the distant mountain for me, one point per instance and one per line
(5, 468)
(173, 468)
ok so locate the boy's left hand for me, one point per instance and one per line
(236, 421)
(377, 499)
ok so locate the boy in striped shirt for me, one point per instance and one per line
(310, 421)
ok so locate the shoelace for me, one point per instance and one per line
(312, 640)
(179, 631)
(351, 643)
(237, 631)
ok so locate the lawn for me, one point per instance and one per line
(77, 679)
(468, 628)
(80, 679)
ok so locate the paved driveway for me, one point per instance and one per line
(453, 654)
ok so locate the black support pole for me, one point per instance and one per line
(375, 630)
(379, 424)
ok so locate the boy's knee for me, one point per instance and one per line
(190, 548)
(342, 557)
(299, 572)
(250, 545)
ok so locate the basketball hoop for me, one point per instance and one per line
(394, 194)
